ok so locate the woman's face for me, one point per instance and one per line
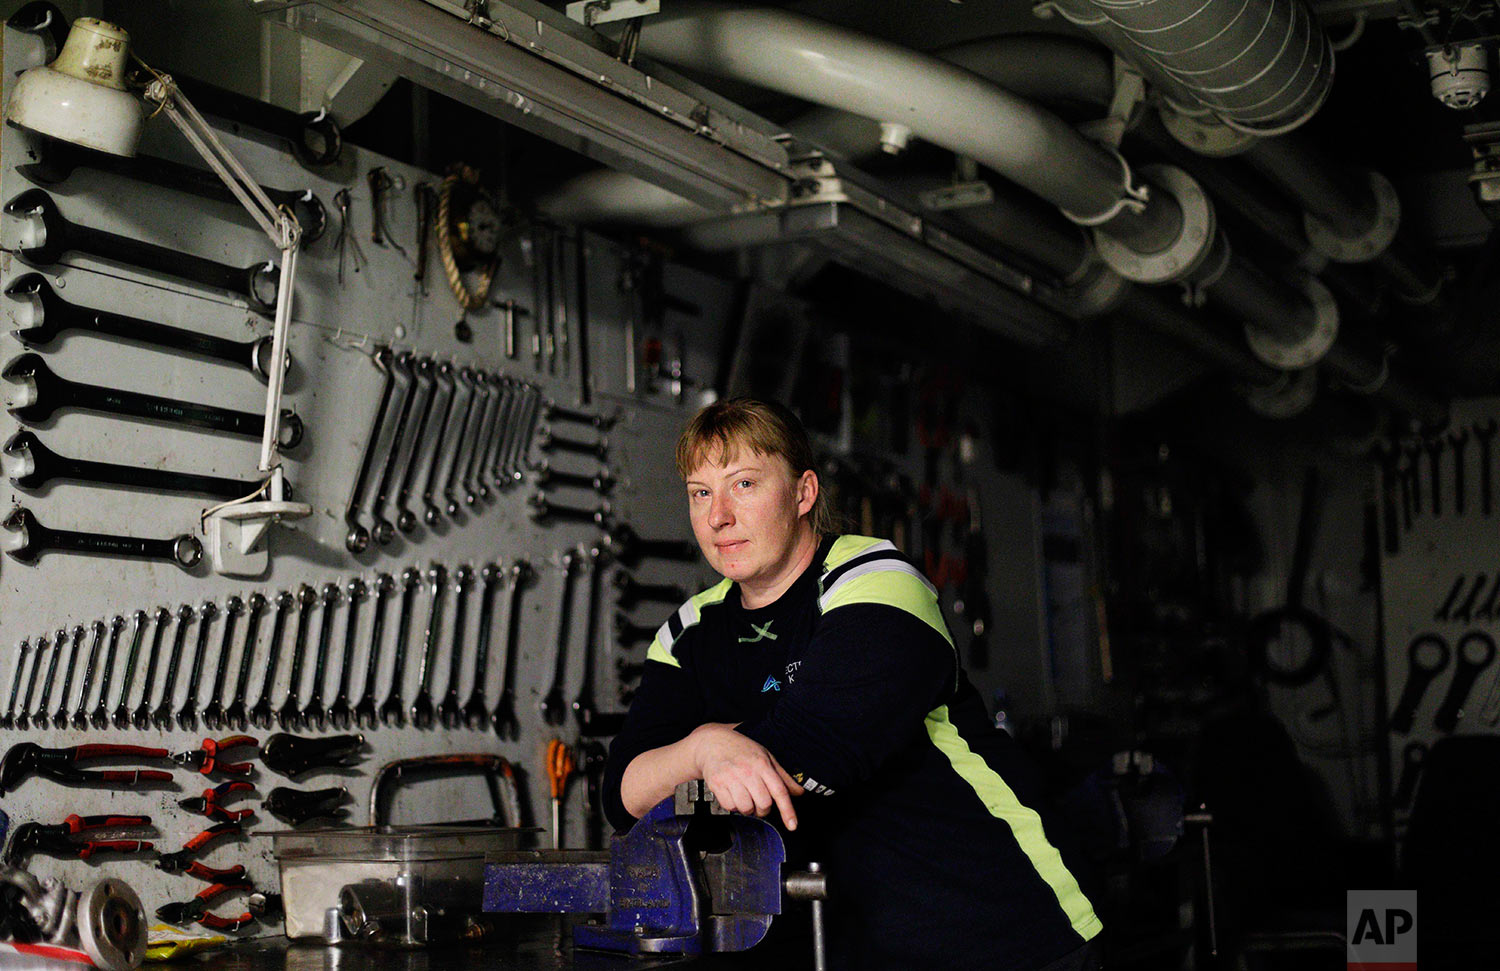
(748, 514)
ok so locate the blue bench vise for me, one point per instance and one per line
(687, 878)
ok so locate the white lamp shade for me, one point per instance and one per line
(80, 97)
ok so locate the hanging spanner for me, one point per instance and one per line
(431, 514)
(314, 712)
(454, 455)
(184, 550)
(48, 234)
(547, 477)
(121, 715)
(393, 710)
(51, 394)
(161, 717)
(476, 710)
(60, 717)
(505, 398)
(52, 316)
(552, 411)
(213, 712)
(421, 705)
(235, 715)
(80, 719)
(406, 518)
(1434, 447)
(8, 720)
(1424, 667)
(1467, 666)
(450, 715)
(314, 137)
(553, 706)
(187, 715)
(40, 465)
(23, 717)
(504, 716)
(141, 717)
(41, 717)
(475, 487)
(356, 536)
(289, 715)
(543, 510)
(1459, 442)
(340, 713)
(1484, 433)
(459, 483)
(365, 715)
(633, 592)
(383, 530)
(261, 713)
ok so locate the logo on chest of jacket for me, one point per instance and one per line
(762, 633)
(771, 684)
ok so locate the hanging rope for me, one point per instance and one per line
(467, 299)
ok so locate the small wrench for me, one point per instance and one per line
(290, 713)
(41, 716)
(187, 715)
(554, 708)
(314, 713)
(450, 715)
(60, 717)
(235, 715)
(261, 712)
(122, 713)
(393, 711)
(503, 718)
(213, 712)
(162, 716)
(340, 713)
(365, 714)
(476, 710)
(142, 715)
(421, 705)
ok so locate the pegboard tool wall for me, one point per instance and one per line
(334, 387)
(1440, 578)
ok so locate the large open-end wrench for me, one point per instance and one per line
(431, 512)
(40, 465)
(48, 235)
(314, 712)
(503, 718)
(365, 715)
(213, 712)
(421, 704)
(393, 710)
(261, 713)
(450, 714)
(357, 537)
(473, 413)
(340, 713)
(382, 529)
(56, 160)
(184, 550)
(60, 717)
(52, 316)
(42, 717)
(474, 486)
(235, 715)
(141, 718)
(122, 712)
(553, 706)
(80, 719)
(425, 431)
(23, 717)
(187, 715)
(476, 710)
(161, 716)
(8, 720)
(314, 137)
(289, 715)
(50, 394)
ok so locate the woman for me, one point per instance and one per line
(818, 681)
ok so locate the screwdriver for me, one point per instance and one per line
(559, 768)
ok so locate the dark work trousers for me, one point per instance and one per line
(1086, 958)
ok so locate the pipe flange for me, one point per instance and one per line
(111, 925)
(1098, 292)
(1187, 252)
(1373, 241)
(1307, 350)
(1205, 134)
(1285, 399)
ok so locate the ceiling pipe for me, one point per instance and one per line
(606, 197)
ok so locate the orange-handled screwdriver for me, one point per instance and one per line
(560, 766)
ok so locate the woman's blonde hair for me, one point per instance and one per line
(723, 428)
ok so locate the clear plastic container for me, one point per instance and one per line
(402, 886)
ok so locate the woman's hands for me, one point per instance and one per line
(743, 776)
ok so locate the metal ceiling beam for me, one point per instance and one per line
(523, 64)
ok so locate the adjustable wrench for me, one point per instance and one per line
(187, 715)
(504, 716)
(8, 720)
(184, 550)
(53, 316)
(290, 713)
(393, 711)
(60, 717)
(80, 719)
(364, 711)
(48, 235)
(406, 519)
(235, 715)
(213, 712)
(382, 530)
(121, 714)
(476, 710)
(357, 537)
(41, 465)
(141, 718)
(41, 716)
(314, 713)
(23, 717)
(340, 713)
(261, 711)
(162, 716)
(52, 393)
(450, 715)
(554, 708)
(472, 407)
(421, 705)
(430, 512)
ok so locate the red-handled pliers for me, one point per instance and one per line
(25, 758)
(196, 910)
(55, 839)
(206, 758)
(178, 861)
(208, 804)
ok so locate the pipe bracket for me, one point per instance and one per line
(1308, 349)
(1187, 252)
(1373, 241)
(1133, 196)
(1285, 399)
